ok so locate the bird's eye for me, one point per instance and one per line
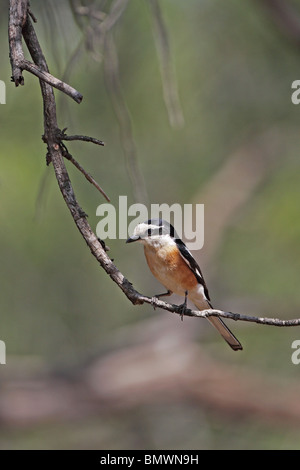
(149, 232)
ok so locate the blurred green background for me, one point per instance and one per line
(85, 368)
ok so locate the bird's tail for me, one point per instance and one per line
(223, 329)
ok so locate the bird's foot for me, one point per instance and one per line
(158, 296)
(153, 301)
(182, 307)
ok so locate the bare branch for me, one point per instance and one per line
(18, 18)
(32, 15)
(66, 154)
(213, 312)
(56, 153)
(89, 177)
(51, 80)
(84, 138)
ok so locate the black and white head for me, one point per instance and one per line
(153, 230)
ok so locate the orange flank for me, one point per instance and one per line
(168, 266)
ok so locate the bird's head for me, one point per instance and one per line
(153, 230)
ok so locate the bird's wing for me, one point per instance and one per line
(192, 263)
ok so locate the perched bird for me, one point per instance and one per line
(175, 267)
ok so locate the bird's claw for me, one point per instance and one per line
(153, 301)
(158, 296)
(182, 307)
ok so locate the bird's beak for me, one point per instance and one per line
(132, 239)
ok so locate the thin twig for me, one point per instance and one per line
(51, 80)
(220, 313)
(32, 15)
(62, 136)
(17, 18)
(84, 138)
(87, 175)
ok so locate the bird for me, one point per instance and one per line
(176, 269)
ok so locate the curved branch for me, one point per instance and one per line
(20, 21)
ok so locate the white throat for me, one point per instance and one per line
(158, 241)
